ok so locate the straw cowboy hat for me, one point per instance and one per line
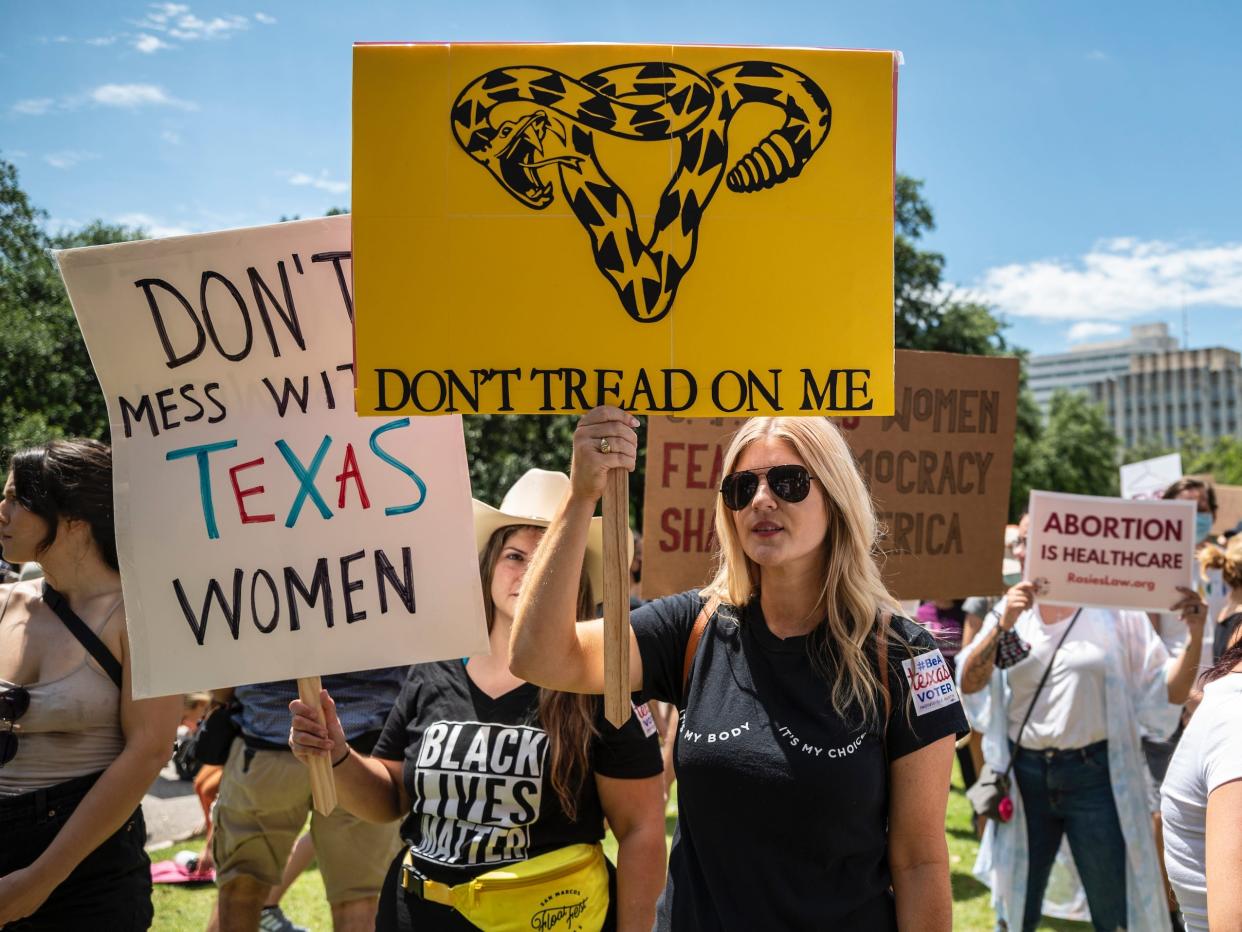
(533, 500)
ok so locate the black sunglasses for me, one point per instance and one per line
(14, 701)
(791, 483)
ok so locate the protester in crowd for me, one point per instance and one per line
(77, 751)
(811, 782)
(944, 620)
(1075, 748)
(574, 770)
(1202, 803)
(1229, 622)
(1203, 494)
(265, 797)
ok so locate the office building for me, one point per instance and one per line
(1083, 366)
(1164, 394)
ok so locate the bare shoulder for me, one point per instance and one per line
(18, 599)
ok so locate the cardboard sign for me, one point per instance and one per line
(265, 531)
(675, 230)
(1228, 507)
(939, 472)
(1109, 552)
(1149, 478)
(684, 457)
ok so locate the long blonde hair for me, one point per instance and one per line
(853, 592)
(568, 718)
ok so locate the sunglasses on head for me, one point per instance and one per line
(791, 483)
(14, 701)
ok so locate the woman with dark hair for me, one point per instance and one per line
(493, 773)
(77, 752)
(1201, 803)
(816, 734)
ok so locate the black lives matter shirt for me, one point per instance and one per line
(783, 803)
(478, 773)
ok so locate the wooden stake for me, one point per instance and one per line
(616, 598)
(323, 785)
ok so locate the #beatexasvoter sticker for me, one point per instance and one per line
(931, 683)
(645, 718)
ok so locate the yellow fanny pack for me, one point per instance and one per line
(565, 890)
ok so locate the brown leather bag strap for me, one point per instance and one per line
(882, 658)
(692, 646)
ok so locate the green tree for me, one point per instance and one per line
(925, 316)
(1146, 448)
(1076, 451)
(47, 384)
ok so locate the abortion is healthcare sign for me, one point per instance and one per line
(685, 230)
(1109, 552)
(264, 530)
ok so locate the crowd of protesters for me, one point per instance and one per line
(812, 774)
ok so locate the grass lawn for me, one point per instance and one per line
(186, 909)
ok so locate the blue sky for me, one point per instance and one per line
(1084, 159)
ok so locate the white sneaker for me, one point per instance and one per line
(272, 919)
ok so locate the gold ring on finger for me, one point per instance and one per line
(604, 445)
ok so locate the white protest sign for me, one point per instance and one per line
(264, 530)
(1109, 552)
(1149, 478)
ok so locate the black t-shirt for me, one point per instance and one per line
(478, 773)
(783, 803)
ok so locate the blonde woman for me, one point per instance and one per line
(812, 776)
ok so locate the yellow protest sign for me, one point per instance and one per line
(679, 230)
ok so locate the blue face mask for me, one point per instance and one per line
(1203, 525)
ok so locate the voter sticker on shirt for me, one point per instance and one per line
(931, 683)
(645, 719)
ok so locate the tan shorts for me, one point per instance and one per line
(260, 812)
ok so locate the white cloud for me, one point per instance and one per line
(265, 19)
(68, 158)
(179, 22)
(147, 43)
(1098, 55)
(102, 40)
(1089, 329)
(1118, 280)
(34, 106)
(154, 227)
(171, 137)
(131, 96)
(320, 181)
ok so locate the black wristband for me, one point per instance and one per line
(338, 763)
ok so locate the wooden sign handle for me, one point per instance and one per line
(616, 598)
(323, 786)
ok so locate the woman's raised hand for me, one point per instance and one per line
(605, 439)
(307, 738)
(1192, 607)
(1017, 600)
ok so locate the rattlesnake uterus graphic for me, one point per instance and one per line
(555, 132)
